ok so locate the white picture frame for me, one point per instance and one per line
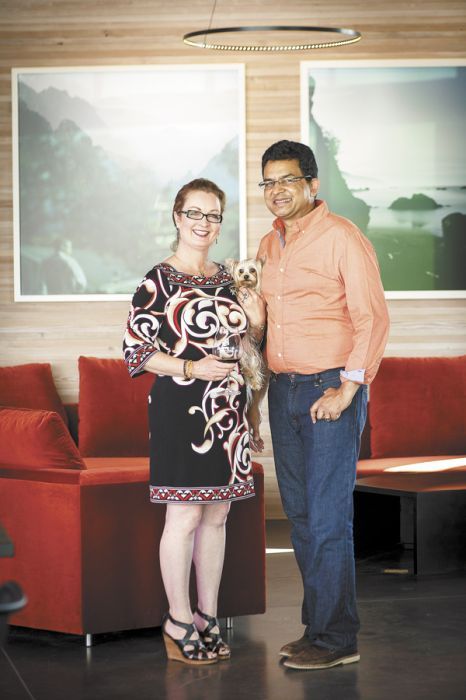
(98, 156)
(384, 131)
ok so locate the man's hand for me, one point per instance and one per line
(334, 401)
(254, 418)
(253, 306)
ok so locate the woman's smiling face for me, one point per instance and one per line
(198, 234)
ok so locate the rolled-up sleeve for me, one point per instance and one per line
(367, 308)
(145, 318)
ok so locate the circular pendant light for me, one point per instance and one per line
(347, 36)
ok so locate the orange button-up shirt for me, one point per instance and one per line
(325, 301)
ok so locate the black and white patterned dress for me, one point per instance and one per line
(199, 439)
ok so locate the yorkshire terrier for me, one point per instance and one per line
(247, 274)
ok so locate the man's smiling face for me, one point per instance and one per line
(289, 201)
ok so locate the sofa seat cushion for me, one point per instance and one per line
(410, 465)
(36, 440)
(30, 386)
(98, 471)
(86, 477)
(113, 419)
(418, 407)
(453, 480)
(116, 469)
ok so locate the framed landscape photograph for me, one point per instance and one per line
(390, 142)
(98, 156)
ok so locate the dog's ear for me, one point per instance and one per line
(261, 262)
(230, 264)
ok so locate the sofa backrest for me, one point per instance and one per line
(418, 407)
(113, 420)
(30, 386)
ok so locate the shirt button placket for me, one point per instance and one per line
(280, 296)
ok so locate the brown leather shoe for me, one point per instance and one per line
(293, 648)
(315, 657)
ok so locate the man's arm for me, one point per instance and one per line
(365, 300)
(367, 307)
(334, 401)
(254, 416)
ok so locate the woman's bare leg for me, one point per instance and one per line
(208, 557)
(176, 555)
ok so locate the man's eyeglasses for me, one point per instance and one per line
(268, 185)
(198, 215)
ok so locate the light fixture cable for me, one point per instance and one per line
(210, 21)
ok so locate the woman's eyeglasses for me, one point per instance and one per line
(198, 215)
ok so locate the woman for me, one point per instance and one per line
(199, 442)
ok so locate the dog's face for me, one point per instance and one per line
(246, 273)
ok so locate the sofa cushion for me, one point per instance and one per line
(392, 465)
(37, 440)
(418, 407)
(113, 418)
(30, 386)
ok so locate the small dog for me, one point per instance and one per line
(247, 273)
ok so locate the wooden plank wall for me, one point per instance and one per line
(117, 32)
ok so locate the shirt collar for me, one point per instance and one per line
(310, 219)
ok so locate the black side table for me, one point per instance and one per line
(435, 505)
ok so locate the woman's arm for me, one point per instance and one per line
(209, 368)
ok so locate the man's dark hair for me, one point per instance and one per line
(292, 150)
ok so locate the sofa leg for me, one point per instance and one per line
(229, 621)
(88, 640)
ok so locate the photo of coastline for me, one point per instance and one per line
(100, 154)
(391, 147)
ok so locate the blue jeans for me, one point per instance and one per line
(316, 471)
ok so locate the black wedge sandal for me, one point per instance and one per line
(212, 640)
(196, 655)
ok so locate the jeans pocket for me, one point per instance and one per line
(333, 382)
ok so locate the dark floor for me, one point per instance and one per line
(412, 644)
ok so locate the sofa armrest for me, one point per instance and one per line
(257, 468)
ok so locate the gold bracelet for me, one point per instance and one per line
(188, 369)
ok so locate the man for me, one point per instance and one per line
(326, 332)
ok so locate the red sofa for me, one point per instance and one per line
(411, 476)
(85, 534)
(416, 413)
